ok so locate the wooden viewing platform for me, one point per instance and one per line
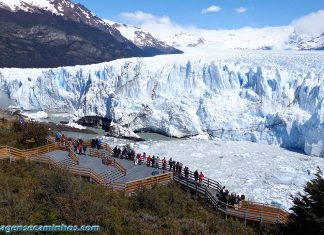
(119, 174)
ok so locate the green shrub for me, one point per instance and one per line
(33, 194)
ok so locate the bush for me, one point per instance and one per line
(20, 133)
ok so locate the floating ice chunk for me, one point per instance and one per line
(37, 115)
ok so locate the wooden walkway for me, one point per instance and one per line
(118, 174)
(249, 211)
(111, 173)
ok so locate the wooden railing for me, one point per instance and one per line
(74, 157)
(105, 156)
(210, 190)
(246, 210)
(119, 167)
(75, 170)
(16, 154)
(149, 181)
(81, 171)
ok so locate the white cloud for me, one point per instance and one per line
(241, 9)
(210, 9)
(312, 23)
(160, 26)
(164, 28)
(140, 17)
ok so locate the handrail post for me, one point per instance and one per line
(226, 210)
(245, 218)
(205, 196)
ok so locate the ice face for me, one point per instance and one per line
(270, 97)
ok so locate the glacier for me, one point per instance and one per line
(273, 97)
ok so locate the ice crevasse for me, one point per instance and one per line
(268, 97)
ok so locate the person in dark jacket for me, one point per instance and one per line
(93, 144)
(177, 167)
(170, 164)
(123, 155)
(118, 152)
(153, 161)
(180, 168)
(186, 172)
(196, 175)
(115, 150)
(84, 148)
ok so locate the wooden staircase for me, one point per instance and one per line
(111, 175)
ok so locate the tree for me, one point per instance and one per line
(308, 209)
(31, 130)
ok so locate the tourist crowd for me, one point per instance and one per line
(156, 162)
(231, 198)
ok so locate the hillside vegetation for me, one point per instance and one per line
(33, 194)
(15, 134)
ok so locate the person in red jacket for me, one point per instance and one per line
(164, 163)
(201, 177)
(149, 159)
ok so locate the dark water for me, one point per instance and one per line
(85, 136)
(154, 136)
(5, 102)
(99, 133)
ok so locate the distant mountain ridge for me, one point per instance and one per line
(53, 33)
(143, 39)
(281, 38)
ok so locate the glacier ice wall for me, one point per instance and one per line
(269, 97)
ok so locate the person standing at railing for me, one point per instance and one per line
(173, 166)
(93, 144)
(119, 153)
(57, 136)
(180, 168)
(201, 177)
(186, 172)
(149, 159)
(136, 160)
(63, 139)
(157, 164)
(114, 150)
(98, 143)
(84, 148)
(164, 163)
(153, 161)
(140, 159)
(177, 167)
(170, 164)
(79, 148)
(124, 152)
(196, 175)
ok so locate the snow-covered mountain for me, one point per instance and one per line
(64, 8)
(310, 42)
(279, 38)
(183, 39)
(52, 33)
(143, 39)
(260, 96)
